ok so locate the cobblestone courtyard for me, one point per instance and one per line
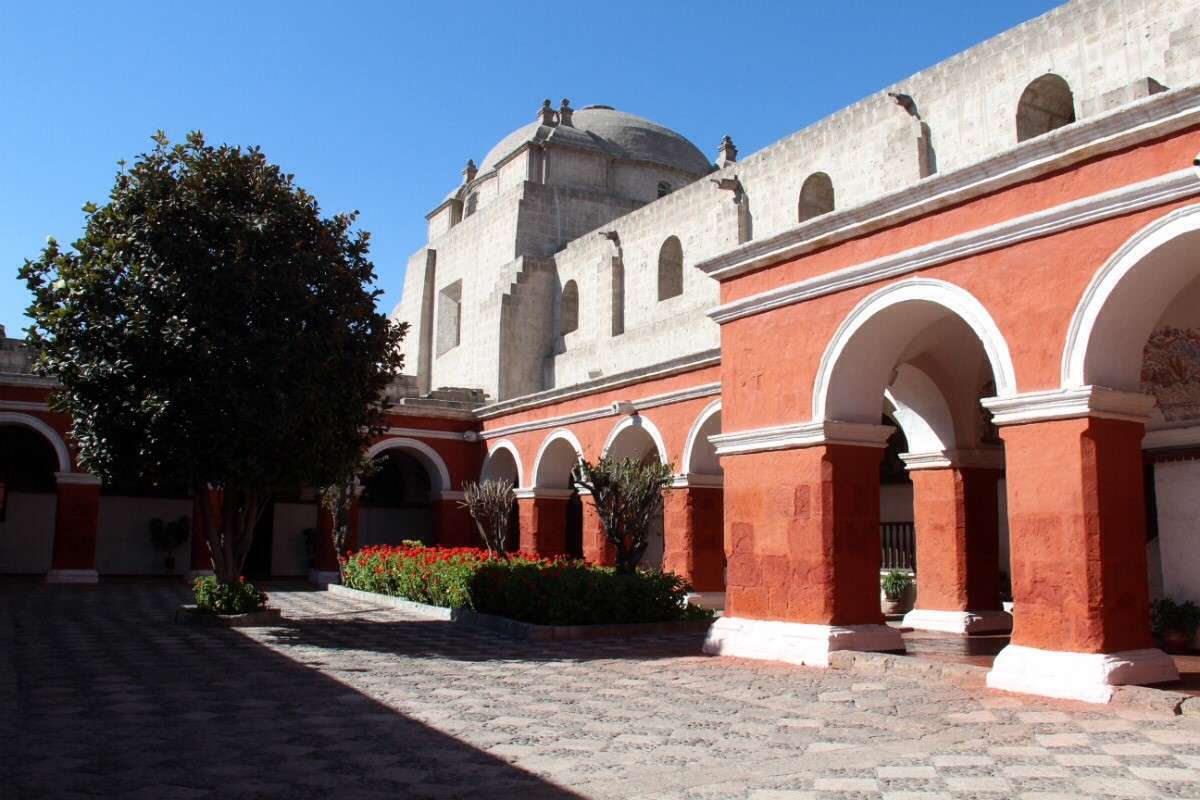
(102, 695)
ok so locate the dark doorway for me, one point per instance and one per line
(574, 538)
(258, 560)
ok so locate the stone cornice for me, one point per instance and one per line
(540, 493)
(1157, 191)
(1169, 438)
(804, 434)
(76, 479)
(426, 433)
(697, 480)
(666, 369)
(1086, 401)
(984, 458)
(1149, 118)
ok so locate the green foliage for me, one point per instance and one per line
(1169, 616)
(167, 536)
(490, 503)
(239, 597)
(628, 494)
(337, 497)
(211, 329)
(541, 591)
(895, 584)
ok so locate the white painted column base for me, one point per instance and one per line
(964, 622)
(795, 642)
(323, 578)
(711, 600)
(1089, 677)
(72, 576)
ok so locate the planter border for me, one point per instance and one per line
(263, 618)
(526, 631)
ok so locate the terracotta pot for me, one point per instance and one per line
(894, 607)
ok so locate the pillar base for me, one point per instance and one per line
(962, 622)
(711, 600)
(323, 577)
(1089, 677)
(795, 642)
(72, 576)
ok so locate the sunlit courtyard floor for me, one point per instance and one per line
(101, 694)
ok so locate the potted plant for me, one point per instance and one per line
(896, 586)
(1175, 624)
(167, 536)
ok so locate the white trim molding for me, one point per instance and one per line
(1172, 437)
(689, 444)
(697, 480)
(426, 453)
(23, 405)
(954, 299)
(982, 458)
(615, 409)
(795, 642)
(72, 576)
(76, 479)
(29, 421)
(426, 433)
(1083, 322)
(449, 494)
(538, 493)
(1145, 120)
(803, 434)
(960, 622)
(1085, 401)
(1089, 677)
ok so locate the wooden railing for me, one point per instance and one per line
(899, 542)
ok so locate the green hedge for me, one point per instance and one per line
(521, 587)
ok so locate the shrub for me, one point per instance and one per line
(215, 597)
(489, 503)
(895, 584)
(627, 494)
(523, 587)
(1168, 616)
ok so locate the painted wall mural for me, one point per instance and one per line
(1171, 372)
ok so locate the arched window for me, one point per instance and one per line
(670, 269)
(816, 196)
(1045, 104)
(472, 204)
(664, 188)
(570, 307)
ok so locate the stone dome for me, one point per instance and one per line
(617, 133)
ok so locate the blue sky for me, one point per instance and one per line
(376, 106)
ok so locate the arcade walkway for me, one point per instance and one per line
(101, 695)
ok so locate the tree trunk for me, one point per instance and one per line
(229, 530)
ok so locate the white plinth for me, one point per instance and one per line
(711, 600)
(795, 642)
(72, 576)
(964, 622)
(323, 577)
(1077, 676)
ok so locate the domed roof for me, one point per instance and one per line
(618, 133)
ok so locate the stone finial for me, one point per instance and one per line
(546, 113)
(726, 153)
(906, 102)
(564, 113)
(470, 171)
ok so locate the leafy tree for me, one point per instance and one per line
(628, 494)
(212, 329)
(489, 503)
(338, 499)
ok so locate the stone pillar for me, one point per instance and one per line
(956, 512)
(695, 536)
(1077, 525)
(596, 547)
(452, 525)
(76, 516)
(543, 520)
(802, 542)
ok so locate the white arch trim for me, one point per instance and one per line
(690, 444)
(637, 420)
(27, 420)
(1108, 278)
(505, 444)
(921, 411)
(564, 435)
(954, 298)
(428, 455)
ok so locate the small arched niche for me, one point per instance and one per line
(570, 307)
(816, 196)
(1046, 104)
(670, 269)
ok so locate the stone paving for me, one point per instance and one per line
(101, 694)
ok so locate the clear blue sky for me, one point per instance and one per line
(376, 106)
